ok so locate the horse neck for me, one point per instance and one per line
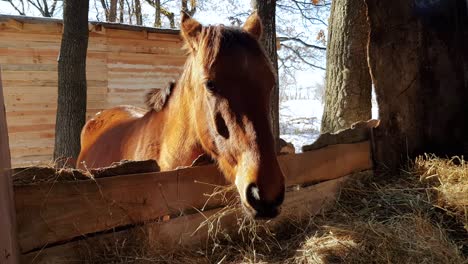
(178, 138)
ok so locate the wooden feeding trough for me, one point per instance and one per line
(57, 217)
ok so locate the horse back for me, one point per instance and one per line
(102, 131)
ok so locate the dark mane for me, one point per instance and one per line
(156, 98)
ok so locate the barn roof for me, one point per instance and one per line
(45, 20)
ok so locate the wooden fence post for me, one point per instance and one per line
(8, 243)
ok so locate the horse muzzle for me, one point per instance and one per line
(259, 208)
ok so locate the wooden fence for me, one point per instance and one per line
(123, 63)
(8, 243)
(57, 220)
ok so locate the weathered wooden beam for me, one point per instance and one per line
(326, 163)
(183, 231)
(15, 24)
(55, 212)
(8, 243)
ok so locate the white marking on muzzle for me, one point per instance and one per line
(256, 193)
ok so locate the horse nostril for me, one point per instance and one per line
(261, 208)
(253, 195)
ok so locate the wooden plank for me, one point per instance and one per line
(53, 212)
(298, 203)
(31, 135)
(31, 143)
(164, 37)
(326, 163)
(14, 129)
(20, 90)
(12, 23)
(27, 106)
(47, 75)
(180, 231)
(37, 28)
(8, 242)
(132, 58)
(120, 33)
(19, 152)
(49, 67)
(47, 83)
(40, 160)
(104, 204)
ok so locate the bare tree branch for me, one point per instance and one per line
(300, 57)
(164, 11)
(21, 12)
(283, 39)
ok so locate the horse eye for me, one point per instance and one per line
(210, 85)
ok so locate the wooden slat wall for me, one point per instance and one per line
(121, 66)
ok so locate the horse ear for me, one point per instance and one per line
(190, 30)
(156, 98)
(253, 25)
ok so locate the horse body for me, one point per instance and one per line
(132, 133)
(219, 106)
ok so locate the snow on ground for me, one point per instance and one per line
(300, 121)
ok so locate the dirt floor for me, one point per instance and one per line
(419, 216)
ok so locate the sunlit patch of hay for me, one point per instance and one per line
(449, 177)
(401, 239)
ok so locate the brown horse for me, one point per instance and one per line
(219, 106)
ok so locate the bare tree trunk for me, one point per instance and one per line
(130, 11)
(419, 65)
(113, 11)
(193, 7)
(169, 16)
(71, 103)
(267, 11)
(106, 9)
(348, 82)
(121, 11)
(157, 14)
(138, 15)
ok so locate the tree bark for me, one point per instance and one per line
(348, 82)
(112, 11)
(71, 106)
(138, 14)
(419, 66)
(106, 9)
(193, 7)
(157, 13)
(266, 9)
(121, 11)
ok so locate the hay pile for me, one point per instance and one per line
(417, 217)
(449, 177)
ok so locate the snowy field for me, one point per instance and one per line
(300, 121)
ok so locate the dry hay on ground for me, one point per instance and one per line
(449, 177)
(404, 219)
